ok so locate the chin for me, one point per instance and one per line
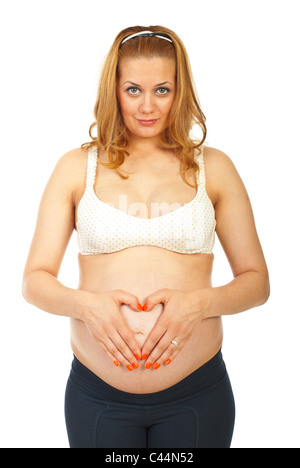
(146, 132)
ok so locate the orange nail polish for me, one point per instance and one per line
(129, 367)
(116, 363)
(144, 357)
(168, 361)
(137, 357)
(148, 365)
(145, 307)
(135, 365)
(139, 306)
(156, 366)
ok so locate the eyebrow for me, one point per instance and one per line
(135, 84)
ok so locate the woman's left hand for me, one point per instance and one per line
(181, 313)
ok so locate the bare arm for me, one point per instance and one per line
(54, 227)
(238, 236)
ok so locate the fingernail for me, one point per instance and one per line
(144, 357)
(129, 367)
(139, 306)
(148, 365)
(156, 366)
(135, 365)
(137, 357)
(145, 307)
(168, 361)
(116, 363)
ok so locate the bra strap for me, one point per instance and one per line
(201, 172)
(91, 166)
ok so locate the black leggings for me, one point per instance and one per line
(197, 412)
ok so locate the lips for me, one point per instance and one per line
(147, 122)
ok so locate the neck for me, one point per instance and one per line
(143, 146)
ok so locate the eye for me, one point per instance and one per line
(133, 91)
(163, 91)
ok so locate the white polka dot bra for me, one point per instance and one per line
(103, 228)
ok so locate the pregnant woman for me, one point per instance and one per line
(146, 200)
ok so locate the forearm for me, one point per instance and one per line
(248, 290)
(44, 291)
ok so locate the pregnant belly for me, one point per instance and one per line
(124, 270)
(203, 344)
(141, 323)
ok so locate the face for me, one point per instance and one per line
(146, 91)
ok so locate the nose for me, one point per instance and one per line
(147, 105)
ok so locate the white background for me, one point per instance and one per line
(245, 59)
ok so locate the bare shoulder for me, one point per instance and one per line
(73, 163)
(222, 176)
(69, 173)
(216, 161)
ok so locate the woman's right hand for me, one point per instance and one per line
(109, 328)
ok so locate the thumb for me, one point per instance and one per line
(158, 297)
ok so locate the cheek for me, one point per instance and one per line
(166, 107)
(126, 105)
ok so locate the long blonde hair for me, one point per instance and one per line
(186, 112)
